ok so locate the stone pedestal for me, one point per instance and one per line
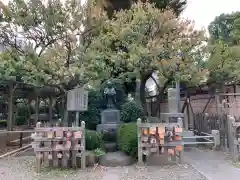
(110, 119)
(110, 116)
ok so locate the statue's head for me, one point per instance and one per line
(109, 84)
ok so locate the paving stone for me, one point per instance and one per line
(113, 159)
(23, 168)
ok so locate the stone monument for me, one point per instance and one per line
(110, 117)
(110, 120)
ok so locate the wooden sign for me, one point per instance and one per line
(170, 151)
(178, 130)
(152, 130)
(179, 148)
(145, 131)
(77, 100)
(78, 134)
(145, 138)
(50, 134)
(69, 134)
(59, 133)
(59, 147)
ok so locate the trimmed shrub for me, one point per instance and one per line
(127, 139)
(3, 123)
(93, 140)
(130, 112)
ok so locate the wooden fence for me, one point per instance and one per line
(59, 146)
(205, 123)
(156, 140)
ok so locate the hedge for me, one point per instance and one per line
(93, 140)
(130, 112)
(127, 139)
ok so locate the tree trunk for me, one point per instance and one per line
(160, 98)
(36, 110)
(10, 108)
(65, 111)
(144, 78)
(50, 106)
(29, 112)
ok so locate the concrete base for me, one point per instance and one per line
(106, 127)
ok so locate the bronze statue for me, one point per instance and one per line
(110, 95)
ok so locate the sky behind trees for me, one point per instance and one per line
(204, 11)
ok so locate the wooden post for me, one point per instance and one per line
(37, 109)
(83, 157)
(181, 156)
(38, 159)
(54, 153)
(230, 120)
(140, 154)
(21, 139)
(50, 109)
(217, 103)
(188, 114)
(10, 107)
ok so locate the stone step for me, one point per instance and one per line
(110, 147)
(114, 159)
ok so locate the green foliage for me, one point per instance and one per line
(177, 5)
(98, 152)
(235, 33)
(130, 112)
(42, 38)
(96, 103)
(223, 64)
(127, 138)
(92, 116)
(143, 39)
(3, 123)
(221, 27)
(23, 113)
(93, 140)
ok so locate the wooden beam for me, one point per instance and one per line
(229, 94)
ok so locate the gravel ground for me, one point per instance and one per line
(22, 168)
